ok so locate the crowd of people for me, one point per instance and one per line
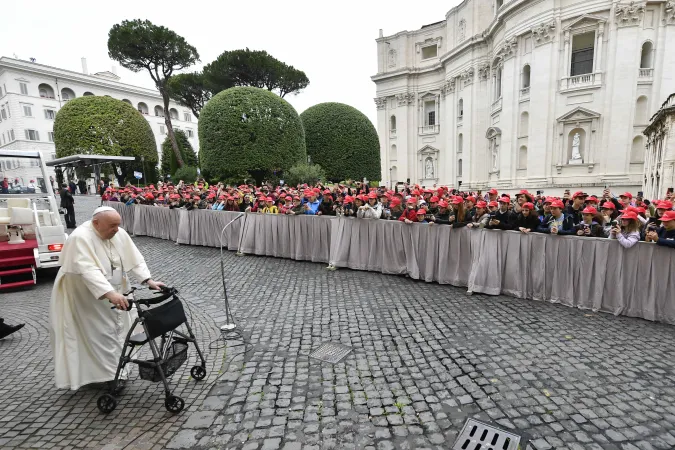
(624, 217)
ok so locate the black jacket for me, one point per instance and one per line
(67, 200)
(505, 220)
(530, 222)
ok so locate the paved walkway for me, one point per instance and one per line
(425, 358)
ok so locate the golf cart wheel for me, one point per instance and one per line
(174, 404)
(198, 373)
(106, 403)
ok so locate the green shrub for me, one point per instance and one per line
(106, 126)
(169, 164)
(245, 129)
(343, 141)
(304, 173)
(186, 173)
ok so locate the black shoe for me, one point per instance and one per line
(6, 330)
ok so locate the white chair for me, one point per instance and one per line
(20, 217)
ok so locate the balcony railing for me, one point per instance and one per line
(497, 105)
(429, 129)
(525, 92)
(587, 80)
(645, 74)
(392, 133)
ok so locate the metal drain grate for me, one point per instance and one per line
(477, 435)
(331, 352)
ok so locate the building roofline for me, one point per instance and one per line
(43, 69)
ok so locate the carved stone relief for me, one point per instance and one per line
(381, 102)
(543, 33)
(405, 98)
(391, 55)
(461, 31)
(483, 71)
(629, 15)
(467, 76)
(669, 9)
(448, 87)
(509, 48)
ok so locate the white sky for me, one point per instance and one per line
(333, 42)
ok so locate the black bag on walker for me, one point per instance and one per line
(164, 318)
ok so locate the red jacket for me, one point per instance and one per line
(410, 214)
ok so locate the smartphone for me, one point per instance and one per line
(669, 191)
(640, 194)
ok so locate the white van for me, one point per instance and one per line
(31, 232)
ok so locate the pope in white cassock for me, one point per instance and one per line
(87, 335)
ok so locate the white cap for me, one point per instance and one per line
(102, 209)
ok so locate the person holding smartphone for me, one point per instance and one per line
(590, 225)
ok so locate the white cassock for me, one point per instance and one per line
(86, 334)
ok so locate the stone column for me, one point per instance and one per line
(597, 61)
(567, 54)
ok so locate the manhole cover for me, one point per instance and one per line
(480, 436)
(331, 352)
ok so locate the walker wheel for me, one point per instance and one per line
(198, 373)
(174, 404)
(106, 403)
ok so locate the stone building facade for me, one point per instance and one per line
(659, 170)
(525, 94)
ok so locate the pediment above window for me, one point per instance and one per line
(493, 132)
(428, 150)
(584, 22)
(579, 114)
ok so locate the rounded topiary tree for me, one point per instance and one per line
(169, 165)
(249, 130)
(105, 126)
(343, 141)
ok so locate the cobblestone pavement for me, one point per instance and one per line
(425, 358)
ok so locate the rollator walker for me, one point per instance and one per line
(158, 322)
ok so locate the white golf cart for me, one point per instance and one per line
(31, 232)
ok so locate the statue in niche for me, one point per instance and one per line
(429, 169)
(576, 152)
(494, 155)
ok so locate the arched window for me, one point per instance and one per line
(460, 143)
(67, 94)
(142, 108)
(460, 108)
(526, 76)
(524, 124)
(88, 93)
(45, 90)
(127, 101)
(394, 153)
(498, 84)
(637, 151)
(392, 123)
(522, 158)
(647, 56)
(159, 111)
(174, 114)
(641, 110)
(459, 167)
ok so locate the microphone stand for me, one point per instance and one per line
(230, 325)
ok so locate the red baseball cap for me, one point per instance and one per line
(443, 204)
(528, 205)
(493, 191)
(372, 195)
(592, 198)
(457, 200)
(495, 204)
(411, 201)
(630, 215)
(608, 205)
(579, 194)
(626, 194)
(481, 205)
(504, 199)
(668, 216)
(421, 212)
(557, 204)
(433, 199)
(471, 199)
(664, 204)
(589, 210)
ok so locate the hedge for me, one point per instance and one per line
(343, 141)
(249, 130)
(106, 126)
